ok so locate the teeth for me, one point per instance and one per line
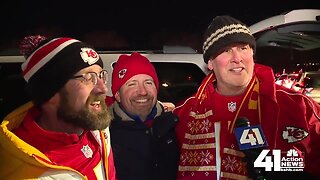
(141, 100)
(96, 103)
(237, 69)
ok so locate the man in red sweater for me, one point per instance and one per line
(240, 88)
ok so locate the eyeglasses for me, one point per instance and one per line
(93, 77)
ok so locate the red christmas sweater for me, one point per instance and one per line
(205, 131)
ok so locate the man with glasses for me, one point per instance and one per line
(63, 133)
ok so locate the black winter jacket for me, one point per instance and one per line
(141, 152)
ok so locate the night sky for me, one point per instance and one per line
(136, 21)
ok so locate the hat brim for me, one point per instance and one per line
(222, 43)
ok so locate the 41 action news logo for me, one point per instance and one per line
(285, 161)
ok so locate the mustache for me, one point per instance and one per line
(143, 96)
(96, 97)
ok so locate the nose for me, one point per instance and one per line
(142, 89)
(100, 87)
(236, 56)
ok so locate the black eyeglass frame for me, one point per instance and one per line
(94, 77)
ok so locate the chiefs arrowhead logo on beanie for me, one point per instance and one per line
(51, 63)
(128, 66)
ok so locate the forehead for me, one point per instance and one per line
(237, 44)
(140, 77)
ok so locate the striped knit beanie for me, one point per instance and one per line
(50, 63)
(223, 31)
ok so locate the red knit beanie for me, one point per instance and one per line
(128, 66)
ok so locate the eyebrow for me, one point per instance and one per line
(135, 80)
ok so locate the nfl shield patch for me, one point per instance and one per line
(232, 106)
(87, 151)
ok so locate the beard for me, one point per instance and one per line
(84, 118)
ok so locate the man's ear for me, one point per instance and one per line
(53, 102)
(117, 96)
(210, 64)
(55, 99)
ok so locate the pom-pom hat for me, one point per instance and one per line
(52, 63)
(223, 31)
(128, 66)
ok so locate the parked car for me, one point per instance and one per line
(290, 44)
(180, 72)
(289, 41)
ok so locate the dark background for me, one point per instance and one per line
(111, 25)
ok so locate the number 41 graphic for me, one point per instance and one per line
(290, 161)
(268, 164)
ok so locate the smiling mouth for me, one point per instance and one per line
(237, 69)
(141, 100)
(96, 105)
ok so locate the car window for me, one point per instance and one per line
(13, 92)
(177, 80)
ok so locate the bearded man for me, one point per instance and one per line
(63, 133)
